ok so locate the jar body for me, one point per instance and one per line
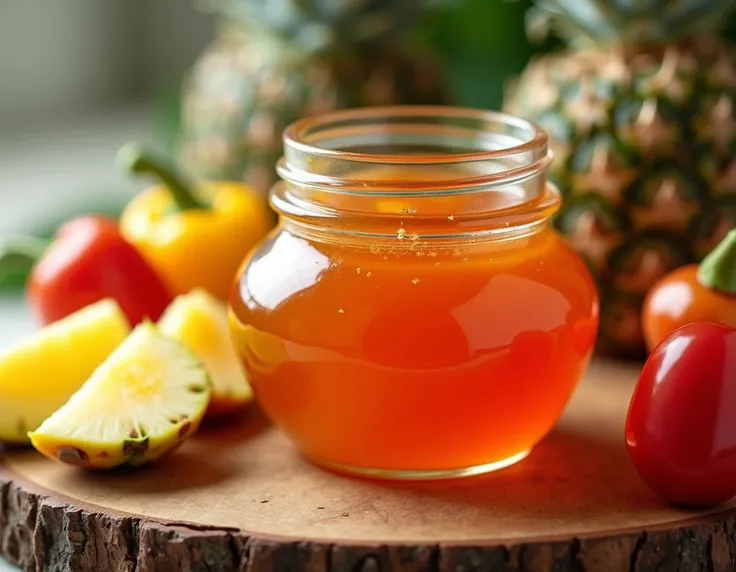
(405, 360)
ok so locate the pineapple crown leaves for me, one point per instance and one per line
(318, 25)
(585, 22)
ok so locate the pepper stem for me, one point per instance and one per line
(718, 269)
(20, 253)
(136, 161)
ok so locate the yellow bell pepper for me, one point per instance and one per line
(193, 237)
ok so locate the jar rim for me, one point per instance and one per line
(452, 171)
(296, 135)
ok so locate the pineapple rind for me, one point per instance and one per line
(630, 21)
(644, 141)
(244, 90)
(148, 396)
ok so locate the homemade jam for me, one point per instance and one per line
(414, 314)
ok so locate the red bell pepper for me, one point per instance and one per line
(680, 430)
(87, 261)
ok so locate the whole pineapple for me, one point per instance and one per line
(278, 60)
(642, 119)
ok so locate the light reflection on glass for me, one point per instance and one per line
(291, 265)
(548, 306)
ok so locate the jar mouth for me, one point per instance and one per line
(413, 149)
(448, 170)
(501, 135)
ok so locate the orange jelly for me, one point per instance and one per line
(414, 314)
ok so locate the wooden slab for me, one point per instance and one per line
(240, 498)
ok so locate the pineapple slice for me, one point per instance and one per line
(148, 397)
(199, 321)
(40, 373)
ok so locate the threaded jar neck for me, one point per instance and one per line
(445, 171)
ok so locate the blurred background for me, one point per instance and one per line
(213, 82)
(81, 77)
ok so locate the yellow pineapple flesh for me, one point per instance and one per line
(39, 373)
(143, 401)
(200, 322)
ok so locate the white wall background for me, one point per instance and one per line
(78, 78)
(62, 58)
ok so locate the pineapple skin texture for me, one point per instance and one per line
(645, 156)
(128, 362)
(243, 92)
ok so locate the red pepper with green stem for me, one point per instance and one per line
(87, 261)
(704, 292)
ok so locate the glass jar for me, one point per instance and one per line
(414, 314)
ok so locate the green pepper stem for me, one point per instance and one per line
(718, 269)
(20, 253)
(135, 161)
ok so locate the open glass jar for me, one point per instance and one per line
(414, 314)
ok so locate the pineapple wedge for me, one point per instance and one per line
(38, 374)
(149, 396)
(199, 321)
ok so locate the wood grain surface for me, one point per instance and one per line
(239, 497)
